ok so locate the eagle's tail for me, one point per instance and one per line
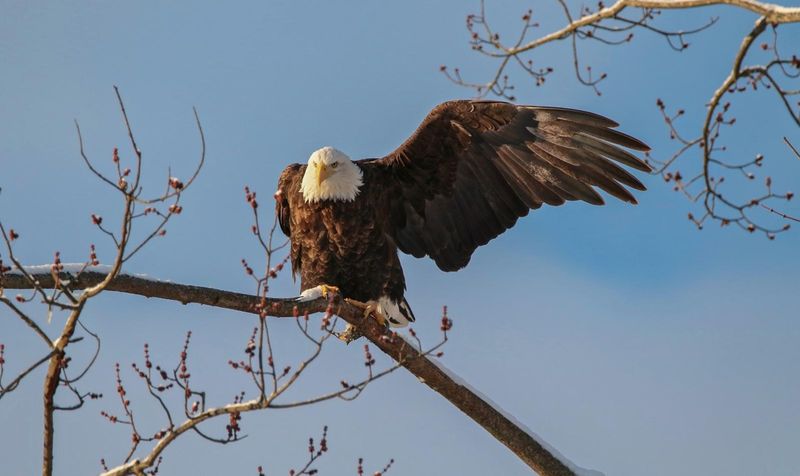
(399, 314)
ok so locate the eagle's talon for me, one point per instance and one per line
(370, 308)
(323, 290)
(329, 291)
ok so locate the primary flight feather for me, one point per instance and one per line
(469, 171)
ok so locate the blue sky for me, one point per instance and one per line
(626, 338)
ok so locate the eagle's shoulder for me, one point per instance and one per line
(287, 194)
(291, 171)
(374, 171)
(290, 179)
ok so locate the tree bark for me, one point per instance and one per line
(504, 429)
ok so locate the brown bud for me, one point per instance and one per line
(175, 183)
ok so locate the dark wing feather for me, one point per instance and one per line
(473, 168)
(289, 186)
(288, 183)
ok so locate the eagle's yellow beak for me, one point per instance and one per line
(323, 172)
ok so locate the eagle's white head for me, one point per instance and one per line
(330, 175)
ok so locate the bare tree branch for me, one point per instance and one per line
(771, 12)
(614, 25)
(55, 292)
(791, 146)
(499, 425)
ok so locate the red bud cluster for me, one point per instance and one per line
(57, 267)
(250, 197)
(233, 425)
(447, 323)
(323, 444)
(184, 372)
(175, 183)
(247, 268)
(93, 256)
(241, 365)
(109, 417)
(121, 391)
(147, 362)
(250, 349)
(527, 15)
(369, 361)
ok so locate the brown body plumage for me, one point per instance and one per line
(467, 174)
(341, 243)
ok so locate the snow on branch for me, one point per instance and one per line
(525, 444)
(59, 295)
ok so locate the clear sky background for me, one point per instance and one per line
(626, 338)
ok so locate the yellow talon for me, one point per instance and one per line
(326, 290)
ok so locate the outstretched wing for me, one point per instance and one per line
(472, 168)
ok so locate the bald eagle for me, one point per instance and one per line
(466, 175)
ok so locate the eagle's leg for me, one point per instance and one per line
(370, 307)
(323, 290)
(351, 333)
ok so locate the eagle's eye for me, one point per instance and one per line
(334, 165)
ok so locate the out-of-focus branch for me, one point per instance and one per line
(504, 429)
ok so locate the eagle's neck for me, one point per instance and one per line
(344, 185)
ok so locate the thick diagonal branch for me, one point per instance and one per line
(544, 461)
